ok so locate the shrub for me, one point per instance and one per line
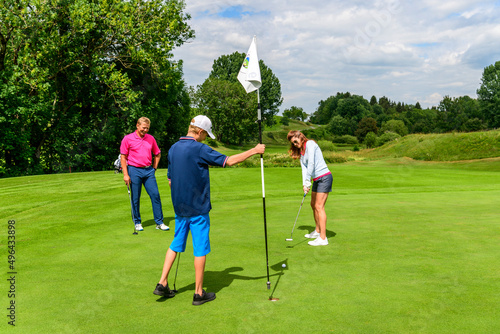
(212, 142)
(346, 139)
(325, 145)
(331, 158)
(395, 126)
(370, 139)
(317, 134)
(387, 137)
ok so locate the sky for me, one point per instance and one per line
(407, 51)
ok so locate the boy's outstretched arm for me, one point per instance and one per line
(237, 158)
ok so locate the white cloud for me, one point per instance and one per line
(433, 99)
(419, 51)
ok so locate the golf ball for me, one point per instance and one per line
(283, 265)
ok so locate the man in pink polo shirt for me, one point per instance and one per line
(137, 150)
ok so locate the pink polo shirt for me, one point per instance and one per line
(139, 150)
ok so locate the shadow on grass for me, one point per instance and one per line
(151, 222)
(281, 267)
(300, 238)
(309, 229)
(218, 280)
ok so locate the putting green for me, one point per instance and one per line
(413, 249)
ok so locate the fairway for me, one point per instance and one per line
(414, 248)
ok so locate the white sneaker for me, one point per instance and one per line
(138, 227)
(318, 242)
(313, 235)
(162, 227)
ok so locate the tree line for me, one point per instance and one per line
(76, 75)
(352, 115)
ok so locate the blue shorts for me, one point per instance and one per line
(199, 227)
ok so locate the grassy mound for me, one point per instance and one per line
(442, 147)
(277, 134)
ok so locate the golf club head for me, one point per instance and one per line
(135, 232)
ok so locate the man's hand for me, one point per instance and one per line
(123, 160)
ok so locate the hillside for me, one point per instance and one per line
(423, 147)
(441, 147)
(277, 134)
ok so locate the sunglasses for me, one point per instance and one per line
(296, 142)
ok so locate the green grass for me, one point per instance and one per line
(413, 248)
(443, 147)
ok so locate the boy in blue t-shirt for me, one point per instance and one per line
(188, 162)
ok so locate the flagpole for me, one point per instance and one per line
(259, 120)
(250, 79)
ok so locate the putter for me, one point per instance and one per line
(176, 269)
(131, 209)
(291, 235)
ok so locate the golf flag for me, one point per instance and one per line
(249, 75)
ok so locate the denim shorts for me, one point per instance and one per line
(323, 184)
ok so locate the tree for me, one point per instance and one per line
(230, 108)
(296, 113)
(489, 94)
(227, 67)
(76, 75)
(385, 103)
(365, 126)
(328, 108)
(370, 139)
(395, 126)
(421, 120)
(454, 113)
(325, 110)
(338, 126)
(354, 107)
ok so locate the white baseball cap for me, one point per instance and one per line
(203, 122)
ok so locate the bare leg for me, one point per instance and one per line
(199, 268)
(318, 201)
(169, 261)
(315, 213)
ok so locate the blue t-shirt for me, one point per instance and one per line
(188, 162)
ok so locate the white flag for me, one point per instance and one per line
(249, 75)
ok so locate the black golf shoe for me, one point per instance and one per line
(163, 291)
(205, 297)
